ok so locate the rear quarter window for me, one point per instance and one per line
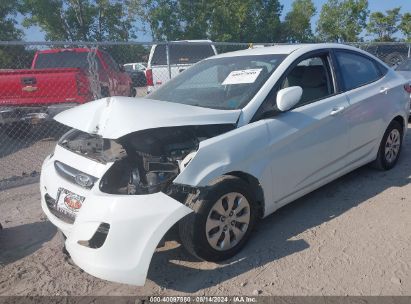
(358, 70)
(181, 54)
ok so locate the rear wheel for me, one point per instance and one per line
(224, 215)
(390, 147)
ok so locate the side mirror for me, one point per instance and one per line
(122, 68)
(288, 98)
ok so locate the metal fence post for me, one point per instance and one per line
(168, 59)
(409, 50)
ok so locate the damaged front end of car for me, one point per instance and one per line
(144, 162)
(122, 175)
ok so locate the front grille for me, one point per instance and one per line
(75, 176)
(51, 205)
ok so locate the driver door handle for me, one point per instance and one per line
(336, 110)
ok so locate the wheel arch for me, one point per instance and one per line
(256, 189)
(401, 121)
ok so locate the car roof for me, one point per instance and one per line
(285, 49)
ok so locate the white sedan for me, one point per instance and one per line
(217, 148)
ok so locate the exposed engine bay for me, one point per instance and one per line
(145, 161)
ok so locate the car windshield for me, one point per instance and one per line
(226, 83)
(404, 66)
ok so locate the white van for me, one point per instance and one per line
(182, 55)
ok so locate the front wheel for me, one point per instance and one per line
(390, 147)
(224, 215)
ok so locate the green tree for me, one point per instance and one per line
(219, 20)
(384, 26)
(405, 26)
(246, 20)
(164, 19)
(195, 16)
(86, 20)
(8, 30)
(342, 20)
(297, 23)
(10, 56)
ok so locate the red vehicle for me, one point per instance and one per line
(58, 79)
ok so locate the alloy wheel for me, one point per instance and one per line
(392, 145)
(228, 221)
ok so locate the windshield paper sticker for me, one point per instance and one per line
(242, 76)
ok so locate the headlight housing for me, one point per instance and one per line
(147, 176)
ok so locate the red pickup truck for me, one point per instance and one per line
(58, 79)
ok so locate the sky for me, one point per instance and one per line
(35, 34)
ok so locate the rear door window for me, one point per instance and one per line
(357, 70)
(181, 53)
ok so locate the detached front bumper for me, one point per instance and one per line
(33, 114)
(136, 223)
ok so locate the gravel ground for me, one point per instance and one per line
(21, 157)
(351, 237)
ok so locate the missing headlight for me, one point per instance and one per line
(154, 158)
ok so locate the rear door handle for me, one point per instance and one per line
(336, 110)
(383, 90)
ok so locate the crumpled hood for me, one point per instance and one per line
(114, 117)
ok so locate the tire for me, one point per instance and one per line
(195, 230)
(386, 160)
(18, 130)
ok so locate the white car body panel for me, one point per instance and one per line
(407, 76)
(270, 145)
(290, 154)
(137, 223)
(370, 113)
(114, 117)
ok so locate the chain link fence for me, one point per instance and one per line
(39, 80)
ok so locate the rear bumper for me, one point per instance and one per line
(136, 223)
(32, 115)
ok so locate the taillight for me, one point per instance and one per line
(149, 77)
(82, 85)
(407, 87)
